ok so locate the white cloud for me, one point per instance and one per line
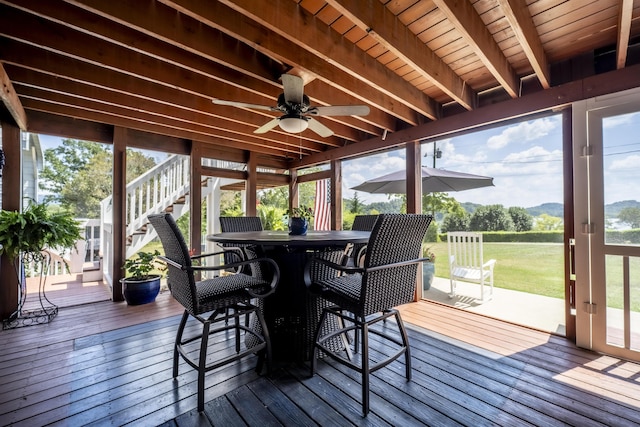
(453, 159)
(526, 178)
(359, 170)
(623, 119)
(629, 162)
(525, 131)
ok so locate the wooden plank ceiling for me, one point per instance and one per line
(156, 65)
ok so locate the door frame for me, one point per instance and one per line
(589, 229)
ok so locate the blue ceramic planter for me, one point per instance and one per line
(298, 226)
(138, 292)
(428, 272)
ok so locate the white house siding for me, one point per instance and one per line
(32, 164)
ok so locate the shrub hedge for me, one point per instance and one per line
(613, 236)
(522, 236)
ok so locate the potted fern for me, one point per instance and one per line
(36, 228)
(141, 285)
(23, 238)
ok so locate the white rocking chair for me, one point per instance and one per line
(466, 262)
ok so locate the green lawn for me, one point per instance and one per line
(536, 268)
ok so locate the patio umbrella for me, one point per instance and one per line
(433, 180)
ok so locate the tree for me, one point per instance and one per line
(548, 223)
(277, 197)
(231, 203)
(491, 218)
(522, 221)
(630, 216)
(78, 174)
(439, 202)
(356, 205)
(137, 164)
(63, 162)
(455, 221)
(271, 217)
(88, 187)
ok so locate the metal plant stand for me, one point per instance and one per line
(41, 261)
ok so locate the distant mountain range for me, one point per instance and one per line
(552, 209)
(557, 209)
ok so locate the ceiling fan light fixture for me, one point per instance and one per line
(293, 123)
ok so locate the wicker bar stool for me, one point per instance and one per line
(211, 301)
(367, 295)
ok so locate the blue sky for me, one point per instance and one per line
(525, 160)
(621, 157)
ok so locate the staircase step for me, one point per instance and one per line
(141, 230)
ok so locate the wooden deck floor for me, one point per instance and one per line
(67, 290)
(109, 364)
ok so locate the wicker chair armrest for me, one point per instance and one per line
(234, 265)
(347, 269)
(394, 265)
(235, 250)
(275, 278)
(359, 257)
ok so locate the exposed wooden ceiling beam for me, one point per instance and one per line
(212, 45)
(226, 51)
(183, 32)
(624, 31)
(321, 52)
(118, 61)
(162, 22)
(123, 108)
(466, 20)
(115, 83)
(517, 13)
(553, 98)
(381, 24)
(70, 110)
(11, 101)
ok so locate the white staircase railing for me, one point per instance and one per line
(155, 191)
(163, 188)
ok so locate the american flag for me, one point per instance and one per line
(321, 220)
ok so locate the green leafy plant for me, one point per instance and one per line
(142, 265)
(426, 253)
(301, 212)
(35, 228)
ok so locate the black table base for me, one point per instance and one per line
(292, 313)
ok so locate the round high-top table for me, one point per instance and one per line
(292, 313)
(313, 239)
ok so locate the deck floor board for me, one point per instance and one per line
(110, 364)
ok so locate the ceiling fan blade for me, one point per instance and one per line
(339, 110)
(293, 88)
(267, 126)
(242, 105)
(319, 128)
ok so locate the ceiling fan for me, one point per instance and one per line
(297, 112)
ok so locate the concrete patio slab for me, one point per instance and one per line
(535, 311)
